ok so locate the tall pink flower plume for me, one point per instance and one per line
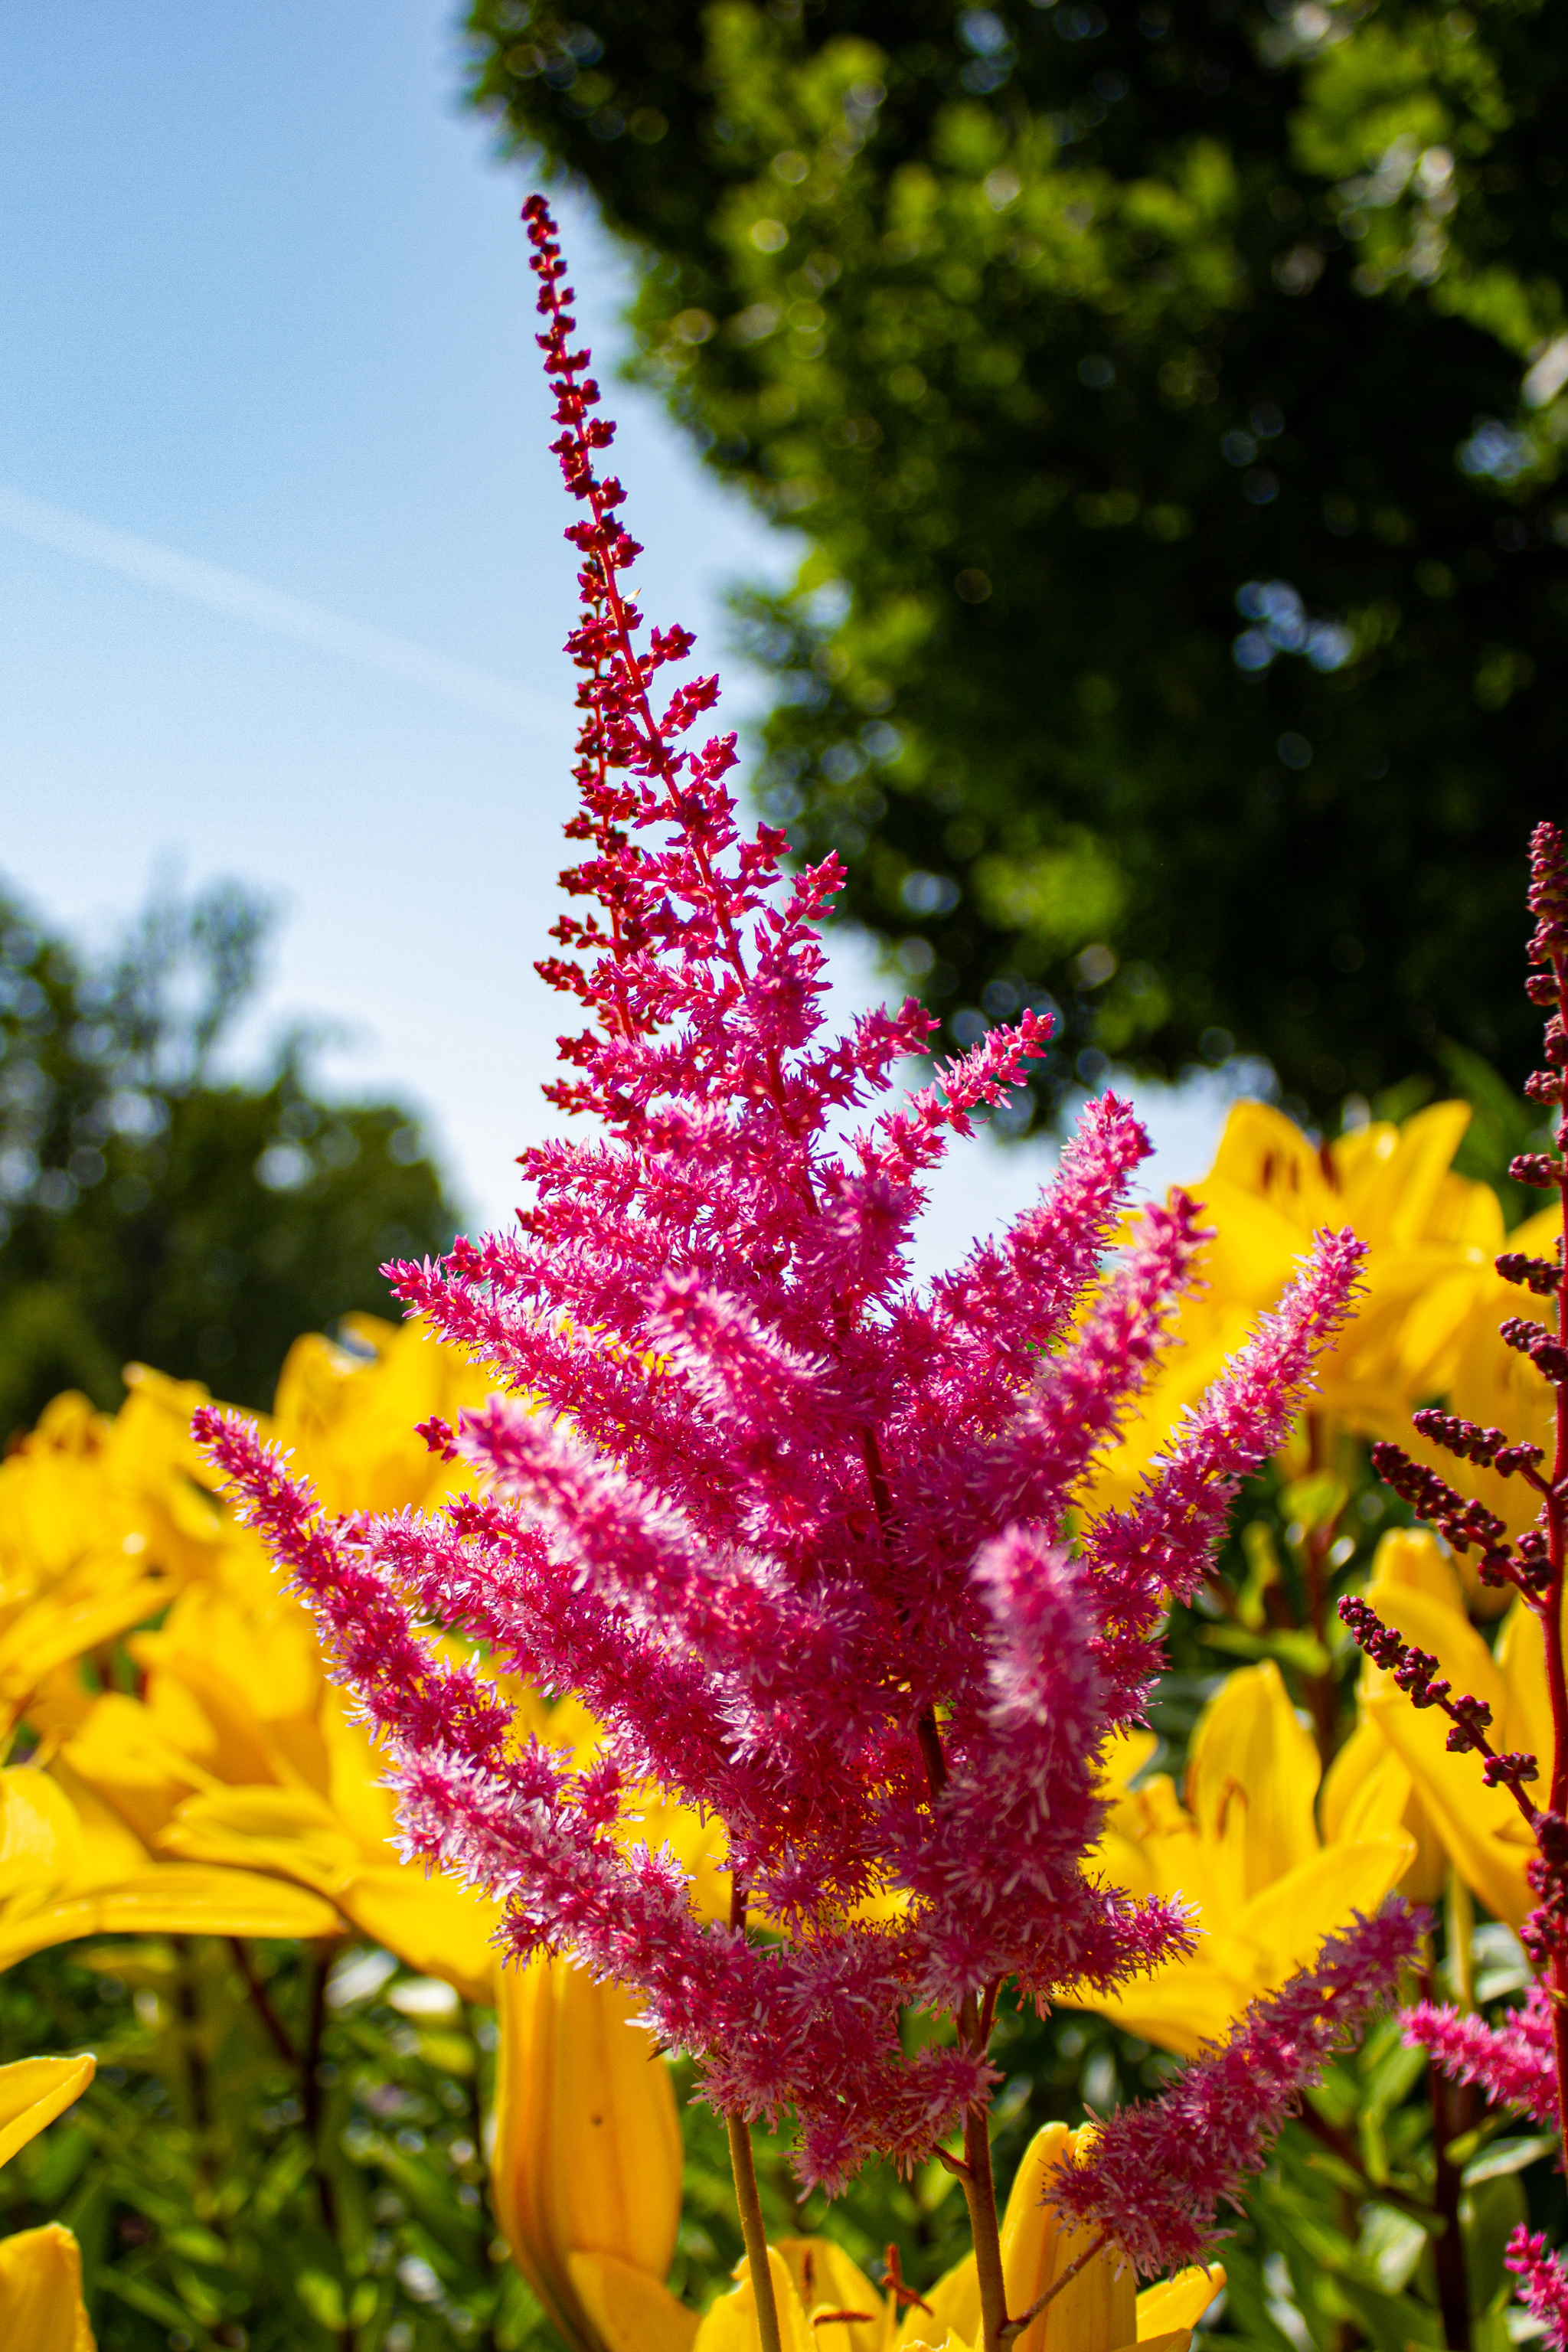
(1158, 2173)
(1514, 2062)
(1542, 2280)
(802, 1533)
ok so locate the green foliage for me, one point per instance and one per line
(227, 2195)
(152, 1210)
(1053, 330)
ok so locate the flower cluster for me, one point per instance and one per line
(1157, 2173)
(1515, 2061)
(806, 1539)
(1543, 2282)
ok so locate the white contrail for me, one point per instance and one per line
(266, 608)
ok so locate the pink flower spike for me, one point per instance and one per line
(1164, 1542)
(1158, 2173)
(1515, 2061)
(803, 1536)
(1543, 2282)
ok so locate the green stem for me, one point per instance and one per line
(980, 2192)
(748, 2203)
(749, 2206)
(262, 2002)
(1461, 1919)
(980, 2196)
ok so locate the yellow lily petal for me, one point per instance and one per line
(33, 2092)
(351, 1423)
(40, 1837)
(1121, 1760)
(1495, 1385)
(1179, 2302)
(827, 2280)
(121, 1752)
(1100, 2306)
(1178, 2009)
(1526, 1719)
(1394, 1194)
(357, 1776)
(1366, 1792)
(587, 2153)
(954, 2313)
(41, 2308)
(1252, 1778)
(1365, 1788)
(284, 1830)
(630, 2311)
(1411, 1558)
(1151, 1847)
(171, 1899)
(1288, 1922)
(729, 2323)
(60, 1627)
(437, 1926)
(1432, 1236)
(1177, 2339)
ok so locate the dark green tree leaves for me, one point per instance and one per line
(1168, 396)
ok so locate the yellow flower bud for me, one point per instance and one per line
(588, 2157)
(41, 2308)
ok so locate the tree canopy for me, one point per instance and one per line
(151, 1208)
(1170, 398)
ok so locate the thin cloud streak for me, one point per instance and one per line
(268, 608)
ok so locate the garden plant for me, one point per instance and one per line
(697, 1755)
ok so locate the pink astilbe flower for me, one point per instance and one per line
(1543, 2282)
(1515, 2061)
(1158, 2172)
(802, 1535)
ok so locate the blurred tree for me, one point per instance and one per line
(151, 1209)
(1168, 394)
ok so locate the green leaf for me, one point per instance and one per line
(1506, 2156)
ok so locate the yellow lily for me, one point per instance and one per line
(41, 2309)
(1416, 1590)
(346, 1412)
(1246, 1852)
(75, 1569)
(1099, 2311)
(239, 1756)
(72, 1868)
(586, 2172)
(1431, 1238)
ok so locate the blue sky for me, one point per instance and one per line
(282, 585)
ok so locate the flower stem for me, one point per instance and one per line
(1015, 2327)
(750, 2205)
(261, 2002)
(980, 2196)
(1555, 1514)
